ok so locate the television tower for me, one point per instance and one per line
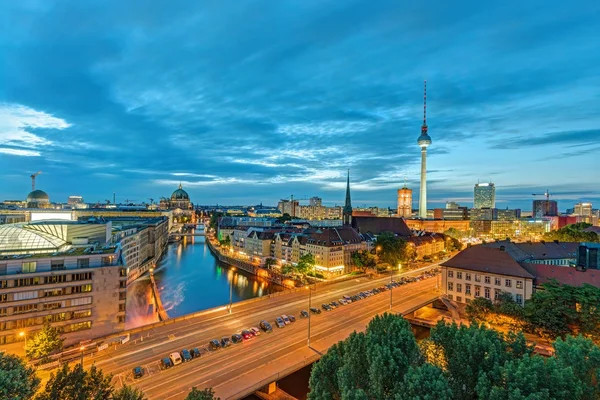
(424, 141)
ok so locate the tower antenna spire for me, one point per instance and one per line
(424, 128)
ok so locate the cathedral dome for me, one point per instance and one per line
(179, 195)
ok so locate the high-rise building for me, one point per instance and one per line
(424, 141)
(404, 202)
(484, 195)
(315, 201)
(583, 210)
(544, 208)
(347, 212)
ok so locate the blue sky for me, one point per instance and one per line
(249, 101)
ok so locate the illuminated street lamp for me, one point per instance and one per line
(23, 334)
(82, 348)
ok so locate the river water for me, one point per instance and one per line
(190, 279)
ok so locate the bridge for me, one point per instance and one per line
(244, 368)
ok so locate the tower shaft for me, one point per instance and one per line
(423, 194)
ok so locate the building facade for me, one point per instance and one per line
(405, 202)
(484, 195)
(544, 208)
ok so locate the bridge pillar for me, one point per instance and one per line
(270, 388)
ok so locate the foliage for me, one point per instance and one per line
(128, 393)
(17, 381)
(479, 309)
(214, 220)
(363, 259)
(206, 394)
(583, 357)
(391, 249)
(284, 218)
(226, 242)
(573, 233)
(426, 382)
(288, 269)
(453, 244)
(44, 343)
(270, 263)
(306, 263)
(77, 384)
(455, 233)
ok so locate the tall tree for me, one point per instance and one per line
(583, 357)
(573, 233)
(426, 382)
(77, 384)
(479, 309)
(17, 381)
(206, 394)
(306, 263)
(363, 259)
(128, 393)
(391, 249)
(323, 380)
(44, 343)
(270, 263)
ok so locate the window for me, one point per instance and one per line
(487, 293)
(25, 295)
(468, 289)
(450, 296)
(519, 299)
(477, 291)
(84, 276)
(477, 278)
(24, 309)
(28, 267)
(121, 319)
(121, 307)
(122, 295)
(3, 284)
(497, 281)
(487, 280)
(57, 265)
(468, 276)
(81, 314)
(57, 317)
(56, 279)
(27, 282)
(83, 262)
(3, 312)
(508, 283)
(3, 298)
(450, 286)
(459, 275)
(459, 299)
(497, 293)
(519, 284)
(80, 326)
(81, 301)
(81, 289)
(54, 305)
(54, 292)
(122, 284)
(459, 287)
(450, 274)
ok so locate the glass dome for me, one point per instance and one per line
(14, 239)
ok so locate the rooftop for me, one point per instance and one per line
(487, 259)
(537, 250)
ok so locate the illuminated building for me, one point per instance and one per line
(405, 202)
(484, 195)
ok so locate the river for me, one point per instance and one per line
(190, 279)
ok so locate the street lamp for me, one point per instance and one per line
(24, 335)
(82, 348)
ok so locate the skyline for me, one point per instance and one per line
(129, 99)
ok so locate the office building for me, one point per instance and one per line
(484, 195)
(405, 202)
(544, 208)
(483, 214)
(584, 212)
(315, 201)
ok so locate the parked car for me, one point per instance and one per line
(255, 331)
(326, 307)
(246, 334)
(225, 341)
(346, 297)
(138, 372)
(335, 304)
(166, 363)
(265, 326)
(291, 318)
(279, 322)
(315, 310)
(186, 355)
(285, 319)
(237, 338)
(175, 358)
(342, 302)
(214, 344)
(195, 352)
(303, 314)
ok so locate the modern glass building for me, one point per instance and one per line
(484, 195)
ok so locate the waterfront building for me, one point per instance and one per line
(405, 202)
(258, 243)
(424, 141)
(181, 206)
(64, 273)
(332, 248)
(544, 208)
(484, 195)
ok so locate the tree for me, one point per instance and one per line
(214, 220)
(583, 357)
(284, 218)
(128, 393)
(226, 242)
(573, 233)
(270, 263)
(44, 343)
(363, 259)
(454, 233)
(77, 384)
(479, 309)
(206, 394)
(391, 249)
(323, 380)
(426, 382)
(17, 381)
(306, 263)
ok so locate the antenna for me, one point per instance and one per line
(424, 127)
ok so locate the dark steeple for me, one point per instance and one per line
(347, 212)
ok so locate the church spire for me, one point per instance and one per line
(347, 212)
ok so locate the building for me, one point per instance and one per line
(438, 225)
(424, 141)
(72, 280)
(315, 201)
(483, 214)
(181, 206)
(508, 215)
(405, 202)
(588, 256)
(38, 199)
(289, 207)
(75, 200)
(427, 244)
(375, 226)
(347, 211)
(544, 208)
(548, 253)
(332, 248)
(484, 195)
(480, 271)
(584, 211)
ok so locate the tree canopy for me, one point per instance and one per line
(77, 384)
(363, 259)
(391, 249)
(206, 394)
(17, 381)
(573, 233)
(44, 343)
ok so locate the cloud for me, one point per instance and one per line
(19, 152)
(573, 138)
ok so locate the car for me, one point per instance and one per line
(315, 310)
(303, 314)
(237, 338)
(291, 318)
(285, 319)
(186, 355)
(326, 307)
(255, 331)
(166, 363)
(225, 341)
(342, 302)
(214, 344)
(346, 297)
(265, 326)
(246, 334)
(175, 358)
(335, 304)
(138, 372)
(195, 352)
(279, 322)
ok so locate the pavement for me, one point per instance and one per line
(242, 368)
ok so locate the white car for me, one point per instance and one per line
(255, 331)
(285, 319)
(175, 358)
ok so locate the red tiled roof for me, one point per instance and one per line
(566, 275)
(486, 259)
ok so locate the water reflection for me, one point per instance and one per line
(190, 279)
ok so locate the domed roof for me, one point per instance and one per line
(37, 196)
(424, 140)
(180, 194)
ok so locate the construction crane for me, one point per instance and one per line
(547, 195)
(33, 180)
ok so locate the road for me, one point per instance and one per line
(232, 370)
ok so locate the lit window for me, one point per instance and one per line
(519, 284)
(28, 267)
(450, 286)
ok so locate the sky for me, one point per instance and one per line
(244, 102)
